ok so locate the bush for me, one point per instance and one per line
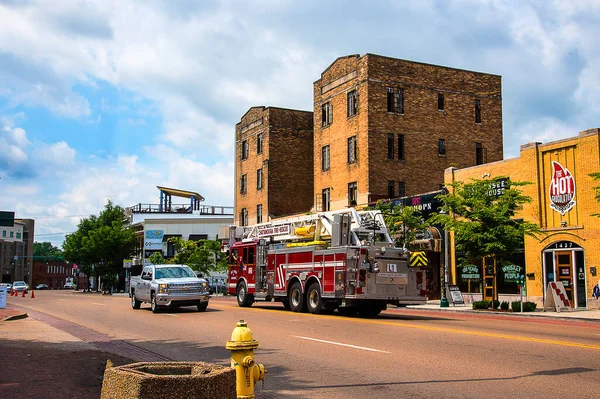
(527, 306)
(481, 304)
(495, 304)
(504, 305)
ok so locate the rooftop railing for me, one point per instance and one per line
(181, 208)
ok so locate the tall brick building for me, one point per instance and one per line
(273, 164)
(386, 127)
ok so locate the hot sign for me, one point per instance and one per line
(562, 189)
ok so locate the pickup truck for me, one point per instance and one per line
(168, 285)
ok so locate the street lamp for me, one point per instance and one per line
(444, 301)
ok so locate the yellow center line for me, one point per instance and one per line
(428, 328)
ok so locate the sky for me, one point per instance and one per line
(107, 99)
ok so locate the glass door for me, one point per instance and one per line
(564, 272)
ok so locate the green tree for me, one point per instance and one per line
(45, 249)
(157, 259)
(202, 256)
(484, 224)
(403, 222)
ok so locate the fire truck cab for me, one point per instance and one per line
(342, 260)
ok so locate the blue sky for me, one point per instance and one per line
(108, 99)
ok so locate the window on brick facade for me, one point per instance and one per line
(479, 154)
(244, 217)
(325, 158)
(352, 103)
(442, 147)
(440, 102)
(259, 213)
(244, 150)
(400, 101)
(326, 199)
(391, 188)
(401, 189)
(326, 114)
(391, 146)
(401, 147)
(352, 194)
(243, 182)
(390, 99)
(259, 143)
(259, 179)
(477, 111)
(352, 149)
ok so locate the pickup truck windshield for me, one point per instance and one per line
(174, 272)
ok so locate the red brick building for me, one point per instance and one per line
(52, 272)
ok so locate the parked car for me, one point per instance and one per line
(168, 285)
(7, 285)
(69, 286)
(20, 286)
(41, 287)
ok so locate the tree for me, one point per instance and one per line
(101, 243)
(403, 222)
(202, 256)
(484, 224)
(45, 249)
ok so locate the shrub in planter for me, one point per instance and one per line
(481, 304)
(504, 305)
(495, 304)
(527, 306)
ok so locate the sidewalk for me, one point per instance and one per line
(40, 361)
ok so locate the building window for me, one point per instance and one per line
(259, 179)
(478, 154)
(18, 234)
(259, 213)
(352, 194)
(12, 234)
(326, 114)
(440, 102)
(244, 150)
(391, 188)
(325, 158)
(390, 99)
(259, 143)
(390, 146)
(243, 184)
(442, 147)
(326, 199)
(352, 106)
(401, 189)
(401, 147)
(3, 233)
(400, 101)
(244, 217)
(477, 111)
(352, 149)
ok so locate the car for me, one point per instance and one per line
(7, 285)
(69, 286)
(41, 287)
(20, 286)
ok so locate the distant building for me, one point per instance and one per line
(53, 272)
(16, 249)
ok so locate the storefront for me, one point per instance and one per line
(563, 206)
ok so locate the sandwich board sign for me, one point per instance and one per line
(556, 297)
(455, 295)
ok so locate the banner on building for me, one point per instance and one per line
(153, 239)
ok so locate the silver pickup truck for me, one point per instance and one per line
(168, 285)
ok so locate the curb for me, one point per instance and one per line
(15, 317)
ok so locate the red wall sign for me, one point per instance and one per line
(562, 189)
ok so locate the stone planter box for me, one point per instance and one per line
(195, 380)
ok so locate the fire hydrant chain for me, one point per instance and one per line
(248, 372)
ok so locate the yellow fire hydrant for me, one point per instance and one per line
(248, 373)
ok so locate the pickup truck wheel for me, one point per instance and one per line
(244, 299)
(313, 299)
(296, 298)
(155, 308)
(135, 304)
(202, 306)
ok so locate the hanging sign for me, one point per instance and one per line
(562, 189)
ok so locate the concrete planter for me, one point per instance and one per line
(195, 380)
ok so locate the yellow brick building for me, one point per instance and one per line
(563, 203)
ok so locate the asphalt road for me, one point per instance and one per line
(402, 353)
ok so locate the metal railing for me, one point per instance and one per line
(181, 208)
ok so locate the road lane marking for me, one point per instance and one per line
(427, 328)
(340, 344)
(100, 304)
(61, 299)
(168, 314)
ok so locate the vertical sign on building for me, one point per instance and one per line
(562, 189)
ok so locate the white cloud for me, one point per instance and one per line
(57, 153)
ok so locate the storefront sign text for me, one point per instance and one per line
(562, 189)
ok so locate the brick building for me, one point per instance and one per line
(53, 272)
(273, 164)
(385, 127)
(16, 250)
(564, 206)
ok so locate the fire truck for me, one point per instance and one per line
(320, 262)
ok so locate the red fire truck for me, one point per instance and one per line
(344, 260)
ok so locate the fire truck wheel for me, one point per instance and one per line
(313, 298)
(244, 299)
(296, 298)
